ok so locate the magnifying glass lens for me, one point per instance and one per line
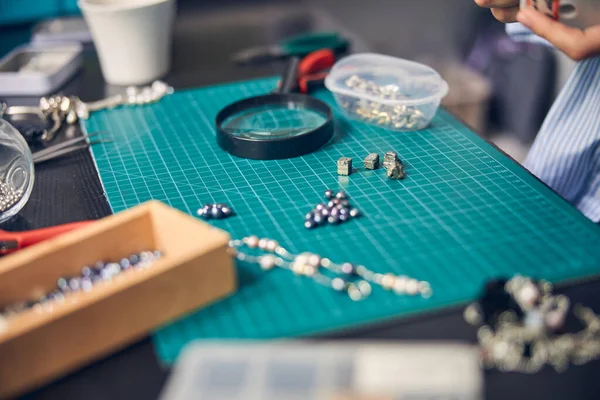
(268, 122)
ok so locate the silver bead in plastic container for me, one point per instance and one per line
(16, 171)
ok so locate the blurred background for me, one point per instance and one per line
(501, 88)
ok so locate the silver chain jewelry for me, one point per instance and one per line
(526, 342)
(59, 109)
(355, 280)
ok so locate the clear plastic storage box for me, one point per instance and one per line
(385, 91)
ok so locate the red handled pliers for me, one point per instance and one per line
(314, 68)
(13, 241)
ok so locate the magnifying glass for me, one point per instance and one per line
(275, 126)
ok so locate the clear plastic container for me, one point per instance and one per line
(16, 171)
(385, 91)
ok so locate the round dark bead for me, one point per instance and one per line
(329, 194)
(227, 211)
(344, 217)
(318, 219)
(125, 263)
(354, 213)
(310, 224)
(309, 216)
(86, 272)
(342, 207)
(320, 206)
(325, 212)
(334, 212)
(331, 204)
(216, 213)
(341, 195)
(134, 259)
(220, 205)
(333, 219)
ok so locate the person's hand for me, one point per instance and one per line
(503, 10)
(575, 43)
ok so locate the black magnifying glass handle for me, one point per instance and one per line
(289, 79)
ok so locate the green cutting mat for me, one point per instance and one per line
(464, 214)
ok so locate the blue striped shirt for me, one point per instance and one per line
(566, 152)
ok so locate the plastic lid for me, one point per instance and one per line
(419, 83)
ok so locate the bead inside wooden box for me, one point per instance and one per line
(41, 344)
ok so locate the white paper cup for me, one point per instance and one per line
(132, 38)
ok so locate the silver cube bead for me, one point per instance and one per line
(344, 166)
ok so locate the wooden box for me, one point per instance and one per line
(38, 347)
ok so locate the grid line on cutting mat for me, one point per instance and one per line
(465, 213)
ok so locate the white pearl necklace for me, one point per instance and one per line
(354, 280)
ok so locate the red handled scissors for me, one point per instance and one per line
(13, 241)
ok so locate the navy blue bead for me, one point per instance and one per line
(125, 263)
(318, 219)
(341, 195)
(309, 216)
(344, 217)
(333, 219)
(329, 194)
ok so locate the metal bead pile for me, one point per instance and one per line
(337, 210)
(392, 116)
(9, 196)
(85, 281)
(354, 280)
(215, 211)
(522, 327)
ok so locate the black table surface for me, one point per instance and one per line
(69, 189)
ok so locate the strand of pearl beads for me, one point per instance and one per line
(309, 264)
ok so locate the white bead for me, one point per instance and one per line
(338, 284)
(267, 262)
(302, 258)
(400, 284)
(309, 270)
(365, 288)
(252, 242)
(387, 282)
(412, 287)
(262, 244)
(298, 268)
(314, 260)
(528, 294)
(272, 245)
(555, 319)
(534, 321)
(354, 293)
